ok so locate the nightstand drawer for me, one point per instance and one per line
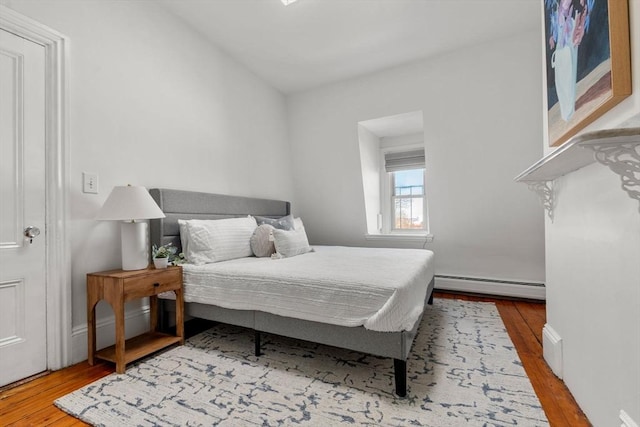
(152, 284)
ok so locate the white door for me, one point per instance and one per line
(23, 328)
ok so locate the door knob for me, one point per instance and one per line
(30, 232)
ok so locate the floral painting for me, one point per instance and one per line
(586, 73)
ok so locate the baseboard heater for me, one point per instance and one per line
(529, 290)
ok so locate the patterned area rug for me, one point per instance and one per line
(463, 370)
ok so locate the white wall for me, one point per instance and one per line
(153, 104)
(482, 126)
(593, 275)
(402, 140)
(370, 166)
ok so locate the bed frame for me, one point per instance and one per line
(179, 204)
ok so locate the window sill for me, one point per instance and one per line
(414, 237)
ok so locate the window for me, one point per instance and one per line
(407, 200)
(392, 164)
(404, 201)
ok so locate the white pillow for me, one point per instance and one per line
(184, 236)
(262, 241)
(219, 240)
(289, 243)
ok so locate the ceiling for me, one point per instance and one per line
(314, 42)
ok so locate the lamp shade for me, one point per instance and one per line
(128, 203)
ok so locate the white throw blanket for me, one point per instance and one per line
(381, 289)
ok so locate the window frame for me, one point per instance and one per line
(387, 198)
(392, 203)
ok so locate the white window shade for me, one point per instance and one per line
(404, 160)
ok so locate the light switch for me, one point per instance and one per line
(89, 183)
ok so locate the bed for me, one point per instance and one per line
(387, 334)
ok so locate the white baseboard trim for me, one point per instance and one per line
(552, 349)
(136, 323)
(491, 287)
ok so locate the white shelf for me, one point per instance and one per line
(574, 154)
(567, 158)
(619, 149)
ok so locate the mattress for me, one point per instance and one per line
(380, 289)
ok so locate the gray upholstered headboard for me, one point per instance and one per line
(180, 204)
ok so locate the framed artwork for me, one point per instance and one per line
(588, 62)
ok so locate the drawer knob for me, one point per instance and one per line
(156, 284)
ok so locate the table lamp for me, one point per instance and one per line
(130, 203)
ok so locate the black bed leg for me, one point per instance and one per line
(400, 373)
(257, 343)
(430, 300)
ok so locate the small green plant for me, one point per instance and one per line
(168, 251)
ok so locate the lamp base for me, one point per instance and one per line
(135, 251)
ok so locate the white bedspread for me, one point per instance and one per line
(381, 289)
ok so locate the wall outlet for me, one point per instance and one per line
(89, 183)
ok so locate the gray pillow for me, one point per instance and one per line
(262, 242)
(284, 223)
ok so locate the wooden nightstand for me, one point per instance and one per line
(119, 286)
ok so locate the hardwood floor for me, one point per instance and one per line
(31, 403)
(524, 322)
